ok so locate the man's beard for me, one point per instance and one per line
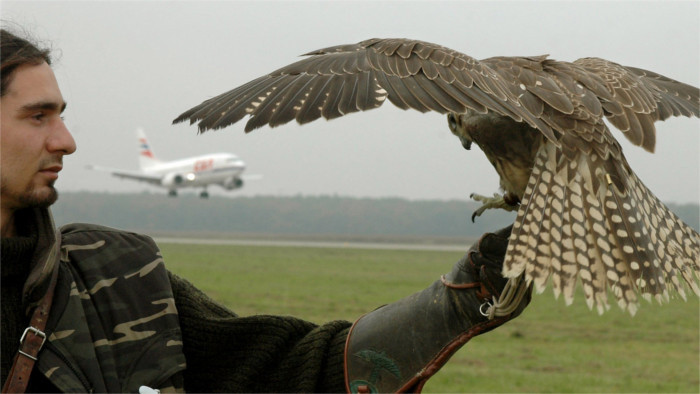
(32, 196)
(42, 195)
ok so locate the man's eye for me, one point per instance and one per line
(38, 116)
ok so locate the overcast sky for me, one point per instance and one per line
(123, 65)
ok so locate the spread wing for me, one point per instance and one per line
(584, 213)
(336, 81)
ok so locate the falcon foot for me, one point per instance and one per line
(497, 201)
(515, 290)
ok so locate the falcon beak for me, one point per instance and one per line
(467, 144)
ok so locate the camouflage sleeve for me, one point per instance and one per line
(228, 353)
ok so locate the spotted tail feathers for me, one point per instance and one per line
(592, 218)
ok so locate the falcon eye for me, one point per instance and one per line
(452, 121)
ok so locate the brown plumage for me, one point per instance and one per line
(583, 211)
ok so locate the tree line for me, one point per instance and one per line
(293, 215)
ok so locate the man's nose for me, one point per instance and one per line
(61, 139)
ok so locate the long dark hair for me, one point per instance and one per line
(16, 51)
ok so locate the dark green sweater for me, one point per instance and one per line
(260, 353)
(224, 352)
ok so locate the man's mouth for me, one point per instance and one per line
(52, 171)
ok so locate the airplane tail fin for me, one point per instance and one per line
(146, 156)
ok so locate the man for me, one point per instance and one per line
(90, 308)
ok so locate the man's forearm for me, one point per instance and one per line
(261, 353)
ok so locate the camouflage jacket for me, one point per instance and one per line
(113, 325)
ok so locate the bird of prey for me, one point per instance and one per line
(582, 211)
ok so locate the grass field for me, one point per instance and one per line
(549, 348)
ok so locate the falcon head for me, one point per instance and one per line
(455, 123)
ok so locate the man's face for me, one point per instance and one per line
(33, 138)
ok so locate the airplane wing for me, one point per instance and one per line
(135, 175)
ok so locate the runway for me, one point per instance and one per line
(313, 244)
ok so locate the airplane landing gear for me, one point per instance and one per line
(204, 194)
(172, 193)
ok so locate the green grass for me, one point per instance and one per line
(550, 348)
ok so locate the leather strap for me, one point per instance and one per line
(30, 344)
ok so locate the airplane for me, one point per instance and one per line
(223, 169)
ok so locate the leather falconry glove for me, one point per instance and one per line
(398, 347)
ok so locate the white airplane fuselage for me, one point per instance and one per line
(223, 169)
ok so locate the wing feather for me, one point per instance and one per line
(212, 109)
(348, 101)
(620, 237)
(369, 94)
(640, 97)
(446, 101)
(460, 93)
(417, 91)
(565, 269)
(546, 251)
(264, 111)
(572, 257)
(393, 94)
(310, 110)
(233, 107)
(330, 108)
(400, 67)
(288, 106)
(405, 93)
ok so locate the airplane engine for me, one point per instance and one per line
(173, 180)
(232, 183)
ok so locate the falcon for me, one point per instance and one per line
(582, 211)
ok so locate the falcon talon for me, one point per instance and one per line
(496, 202)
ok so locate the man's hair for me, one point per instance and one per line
(16, 51)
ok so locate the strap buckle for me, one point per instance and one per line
(37, 332)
